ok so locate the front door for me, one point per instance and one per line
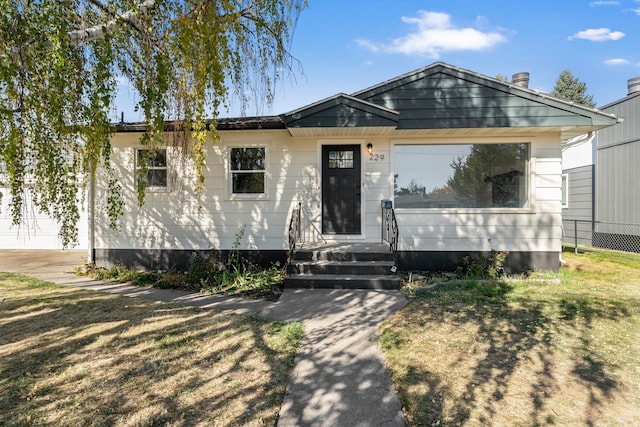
(341, 189)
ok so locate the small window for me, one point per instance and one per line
(152, 168)
(565, 190)
(247, 168)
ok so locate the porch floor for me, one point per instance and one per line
(345, 247)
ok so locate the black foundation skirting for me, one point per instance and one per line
(515, 263)
(176, 259)
(170, 259)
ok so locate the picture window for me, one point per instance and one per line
(461, 176)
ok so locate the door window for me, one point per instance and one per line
(341, 159)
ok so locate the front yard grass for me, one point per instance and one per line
(553, 349)
(80, 358)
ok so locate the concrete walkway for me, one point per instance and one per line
(339, 378)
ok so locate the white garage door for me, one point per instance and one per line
(37, 230)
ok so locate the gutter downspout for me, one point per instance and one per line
(571, 142)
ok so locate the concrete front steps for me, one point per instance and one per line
(343, 266)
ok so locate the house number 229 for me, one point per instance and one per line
(377, 157)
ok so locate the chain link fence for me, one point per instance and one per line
(598, 234)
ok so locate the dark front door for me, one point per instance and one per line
(341, 189)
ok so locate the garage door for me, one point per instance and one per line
(37, 230)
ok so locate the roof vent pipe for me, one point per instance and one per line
(520, 79)
(633, 85)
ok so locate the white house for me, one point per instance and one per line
(470, 163)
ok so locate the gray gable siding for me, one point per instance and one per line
(341, 116)
(440, 98)
(342, 111)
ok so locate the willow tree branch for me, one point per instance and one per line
(249, 14)
(11, 110)
(98, 31)
(88, 34)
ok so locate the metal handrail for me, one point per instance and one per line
(313, 225)
(390, 229)
(294, 231)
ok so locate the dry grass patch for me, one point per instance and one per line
(79, 358)
(523, 352)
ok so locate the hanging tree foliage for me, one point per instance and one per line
(59, 64)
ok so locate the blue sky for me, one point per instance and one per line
(348, 45)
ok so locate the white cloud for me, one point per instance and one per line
(434, 35)
(604, 3)
(637, 11)
(616, 61)
(598, 35)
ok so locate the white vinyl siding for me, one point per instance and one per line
(184, 220)
(477, 231)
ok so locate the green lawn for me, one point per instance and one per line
(555, 349)
(79, 358)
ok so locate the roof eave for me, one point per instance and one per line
(225, 124)
(335, 132)
(341, 98)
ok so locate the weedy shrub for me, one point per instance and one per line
(117, 273)
(486, 266)
(235, 277)
(204, 267)
(207, 271)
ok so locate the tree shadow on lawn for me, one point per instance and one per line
(76, 357)
(503, 336)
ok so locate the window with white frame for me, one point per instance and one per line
(151, 168)
(247, 169)
(461, 175)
